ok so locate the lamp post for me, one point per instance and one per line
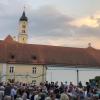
(77, 72)
(77, 76)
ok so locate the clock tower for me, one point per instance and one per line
(23, 28)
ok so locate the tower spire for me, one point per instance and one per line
(23, 17)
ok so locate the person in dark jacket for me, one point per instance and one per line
(7, 92)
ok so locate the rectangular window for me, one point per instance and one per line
(34, 70)
(11, 70)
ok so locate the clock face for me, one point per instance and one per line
(23, 26)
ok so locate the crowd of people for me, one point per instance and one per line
(49, 91)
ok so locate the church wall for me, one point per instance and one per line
(3, 69)
(22, 38)
(0, 70)
(23, 73)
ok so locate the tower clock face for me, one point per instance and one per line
(23, 26)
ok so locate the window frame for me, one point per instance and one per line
(34, 70)
(23, 31)
(11, 69)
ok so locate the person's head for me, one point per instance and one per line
(8, 84)
(46, 82)
(71, 83)
(87, 83)
(57, 96)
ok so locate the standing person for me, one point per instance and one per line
(64, 96)
(71, 86)
(33, 94)
(24, 96)
(36, 96)
(1, 91)
(7, 92)
(13, 93)
(88, 89)
(80, 84)
(47, 85)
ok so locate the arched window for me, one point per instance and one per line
(23, 31)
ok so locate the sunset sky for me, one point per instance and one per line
(73, 23)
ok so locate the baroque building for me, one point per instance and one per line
(25, 62)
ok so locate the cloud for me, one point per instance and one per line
(48, 25)
(87, 21)
(53, 27)
(49, 21)
(90, 21)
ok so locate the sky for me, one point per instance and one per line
(70, 23)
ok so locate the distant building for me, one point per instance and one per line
(28, 62)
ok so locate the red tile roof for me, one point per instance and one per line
(14, 52)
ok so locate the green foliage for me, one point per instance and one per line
(90, 80)
(97, 78)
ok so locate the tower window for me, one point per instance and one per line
(23, 31)
(11, 70)
(23, 39)
(34, 70)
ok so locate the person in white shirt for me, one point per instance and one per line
(1, 92)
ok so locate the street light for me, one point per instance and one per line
(77, 71)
